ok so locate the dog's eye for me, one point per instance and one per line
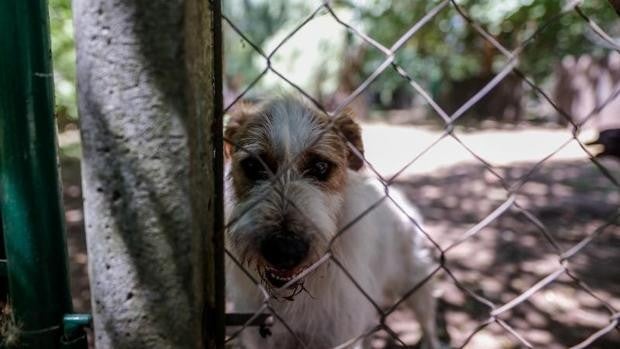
(254, 169)
(319, 170)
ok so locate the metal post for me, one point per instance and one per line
(29, 182)
(215, 242)
(203, 58)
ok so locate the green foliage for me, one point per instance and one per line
(449, 49)
(260, 20)
(63, 51)
(445, 49)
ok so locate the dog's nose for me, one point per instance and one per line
(284, 251)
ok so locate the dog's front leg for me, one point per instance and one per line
(424, 306)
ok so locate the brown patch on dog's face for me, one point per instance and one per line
(353, 134)
(239, 116)
(248, 148)
(289, 134)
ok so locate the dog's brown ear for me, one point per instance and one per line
(353, 133)
(238, 116)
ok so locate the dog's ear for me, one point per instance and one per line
(353, 133)
(238, 116)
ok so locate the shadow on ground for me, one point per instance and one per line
(510, 255)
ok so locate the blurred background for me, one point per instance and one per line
(458, 181)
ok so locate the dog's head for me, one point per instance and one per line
(288, 170)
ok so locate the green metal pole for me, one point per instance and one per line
(30, 202)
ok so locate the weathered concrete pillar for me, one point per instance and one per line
(140, 115)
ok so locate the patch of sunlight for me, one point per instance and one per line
(390, 148)
(69, 144)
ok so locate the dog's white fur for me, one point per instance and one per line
(383, 251)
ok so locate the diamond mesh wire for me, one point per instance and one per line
(512, 189)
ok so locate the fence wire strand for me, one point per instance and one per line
(512, 190)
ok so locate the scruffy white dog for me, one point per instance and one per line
(293, 185)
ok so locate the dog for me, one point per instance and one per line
(295, 194)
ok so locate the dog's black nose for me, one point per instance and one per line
(284, 250)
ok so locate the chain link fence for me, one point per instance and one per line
(494, 313)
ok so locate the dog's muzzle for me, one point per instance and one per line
(284, 253)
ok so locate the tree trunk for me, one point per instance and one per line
(146, 261)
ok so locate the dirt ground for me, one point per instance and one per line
(454, 192)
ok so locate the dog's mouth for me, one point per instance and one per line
(280, 277)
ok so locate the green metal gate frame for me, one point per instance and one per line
(30, 196)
